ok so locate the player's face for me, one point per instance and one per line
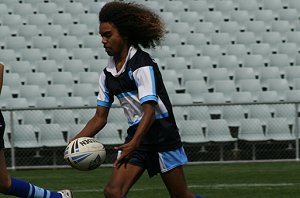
(112, 41)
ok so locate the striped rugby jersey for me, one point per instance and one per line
(137, 82)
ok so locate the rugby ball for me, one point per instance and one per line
(85, 153)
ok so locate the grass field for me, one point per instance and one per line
(244, 180)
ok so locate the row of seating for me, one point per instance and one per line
(192, 131)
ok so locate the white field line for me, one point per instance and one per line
(215, 186)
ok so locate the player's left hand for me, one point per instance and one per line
(126, 152)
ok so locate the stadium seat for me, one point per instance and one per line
(278, 130)
(15, 103)
(240, 16)
(190, 17)
(91, 20)
(47, 66)
(257, 27)
(28, 31)
(186, 51)
(230, 62)
(89, 77)
(49, 9)
(74, 66)
(227, 87)
(116, 115)
(176, 63)
(250, 6)
(85, 54)
(92, 41)
(110, 134)
(63, 19)
(287, 111)
(74, 8)
(274, 5)
(38, 19)
(231, 27)
(16, 43)
(78, 30)
(32, 117)
(170, 75)
(97, 65)
(273, 38)
(51, 135)
(218, 131)
(294, 4)
(191, 75)
(288, 48)
(269, 96)
(13, 81)
(54, 31)
(95, 7)
(220, 38)
(23, 9)
(58, 55)
(174, 6)
(290, 14)
(85, 115)
(170, 87)
(242, 97)
(279, 60)
(261, 112)
(25, 136)
(62, 78)
(171, 39)
(33, 55)
(266, 73)
(205, 27)
(181, 99)
(30, 92)
(245, 38)
(4, 9)
(21, 68)
(13, 21)
(243, 73)
(291, 73)
(265, 15)
(180, 28)
(37, 78)
(233, 114)
(83, 90)
(217, 74)
(58, 91)
(250, 85)
(191, 131)
(281, 26)
(263, 49)
(239, 50)
(196, 88)
(214, 98)
(68, 42)
(254, 61)
(215, 17)
(214, 51)
(199, 113)
(198, 6)
(204, 63)
(47, 102)
(251, 130)
(226, 7)
(74, 101)
(292, 95)
(43, 43)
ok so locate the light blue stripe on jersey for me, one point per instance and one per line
(171, 159)
(164, 115)
(123, 95)
(103, 104)
(106, 93)
(147, 98)
(153, 80)
(30, 190)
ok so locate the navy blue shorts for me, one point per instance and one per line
(2, 129)
(158, 162)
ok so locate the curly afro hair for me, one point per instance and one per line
(139, 24)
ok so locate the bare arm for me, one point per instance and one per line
(144, 125)
(95, 124)
(1, 76)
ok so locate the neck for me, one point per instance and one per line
(121, 58)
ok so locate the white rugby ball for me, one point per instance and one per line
(85, 153)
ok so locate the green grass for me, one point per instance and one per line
(244, 180)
